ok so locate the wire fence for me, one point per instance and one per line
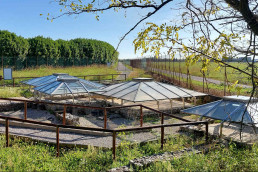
(178, 72)
(19, 63)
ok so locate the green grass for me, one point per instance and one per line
(74, 71)
(232, 75)
(35, 156)
(215, 87)
(6, 92)
(137, 73)
(233, 90)
(223, 159)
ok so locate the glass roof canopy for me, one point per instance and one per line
(58, 84)
(230, 108)
(145, 89)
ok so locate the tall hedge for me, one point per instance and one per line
(19, 52)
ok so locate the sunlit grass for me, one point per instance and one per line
(6, 92)
(36, 156)
(33, 156)
(44, 71)
(195, 70)
(75, 71)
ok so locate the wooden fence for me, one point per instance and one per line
(114, 132)
(99, 79)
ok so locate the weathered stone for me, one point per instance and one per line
(69, 118)
(11, 106)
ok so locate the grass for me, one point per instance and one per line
(6, 92)
(195, 70)
(75, 71)
(137, 73)
(35, 156)
(215, 87)
(229, 158)
(232, 90)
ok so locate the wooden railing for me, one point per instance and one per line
(81, 76)
(114, 132)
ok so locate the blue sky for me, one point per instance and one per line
(23, 18)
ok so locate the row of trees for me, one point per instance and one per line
(22, 53)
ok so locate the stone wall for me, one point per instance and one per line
(11, 106)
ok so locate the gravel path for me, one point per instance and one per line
(200, 79)
(73, 138)
(79, 138)
(70, 138)
(123, 70)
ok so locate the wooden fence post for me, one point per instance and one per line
(13, 82)
(64, 115)
(25, 110)
(105, 118)
(141, 114)
(162, 132)
(7, 131)
(57, 141)
(206, 132)
(114, 145)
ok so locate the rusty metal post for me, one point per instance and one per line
(105, 118)
(57, 141)
(7, 131)
(84, 77)
(206, 132)
(25, 110)
(112, 77)
(141, 114)
(114, 145)
(162, 132)
(64, 115)
(99, 78)
(125, 77)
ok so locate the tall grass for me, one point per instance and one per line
(222, 159)
(6, 92)
(213, 72)
(33, 156)
(75, 71)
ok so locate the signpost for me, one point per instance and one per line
(8, 73)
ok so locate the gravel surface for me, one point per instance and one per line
(114, 121)
(123, 70)
(73, 138)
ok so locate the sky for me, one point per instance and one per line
(23, 18)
